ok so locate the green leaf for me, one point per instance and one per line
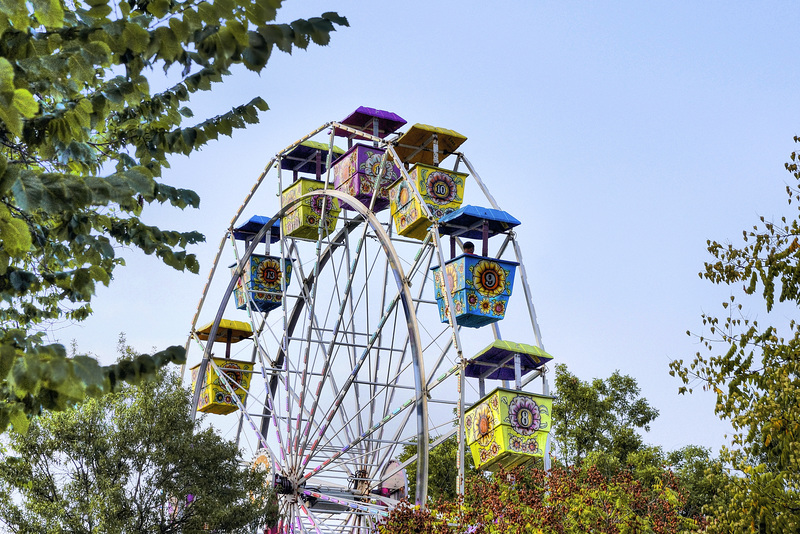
(180, 27)
(100, 11)
(25, 103)
(135, 38)
(259, 103)
(99, 274)
(7, 357)
(16, 236)
(17, 12)
(207, 13)
(21, 280)
(6, 81)
(18, 419)
(12, 119)
(49, 13)
(90, 374)
(26, 374)
(159, 8)
(335, 18)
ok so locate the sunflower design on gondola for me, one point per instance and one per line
(344, 169)
(268, 273)
(441, 187)
(484, 425)
(489, 278)
(404, 196)
(400, 194)
(233, 372)
(499, 308)
(452, 279)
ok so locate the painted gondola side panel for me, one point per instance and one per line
(481, 289)
(356, 172)
(261, 280)
(214, 397)
(302, 221)
(508, 428)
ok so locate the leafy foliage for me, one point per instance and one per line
(129, 462)
(442, 469)
(563, 500)
(83, 143)
(599, 416)
(703, 479)
(754, 371)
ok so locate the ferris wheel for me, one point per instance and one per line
(358, 327)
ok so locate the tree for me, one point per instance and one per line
(599, 416)
(129, 462)
(753, 370)
(703, 479)
(442, 469)
(83, 143)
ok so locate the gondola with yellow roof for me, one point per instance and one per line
(215, 390)
(441, 190)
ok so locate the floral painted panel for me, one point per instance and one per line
(302, 221)
(441, 189)
(355, 173)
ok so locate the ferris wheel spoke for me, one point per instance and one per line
(358, 413)
(351, 503)
(396, 437)
(343, 414)
(315, 522)
(311, 317)
(339, 394)
(329, 353)
(431, 386)
(410, 402)
(351, 378)
(406, 340)
(269, 410)
(360, 459)
(295, 398)
(309, 289)
(299, 515)
(326, 375)
(292, 320)
(376, 375)
(285, 515)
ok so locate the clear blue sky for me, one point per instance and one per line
(622, 134)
